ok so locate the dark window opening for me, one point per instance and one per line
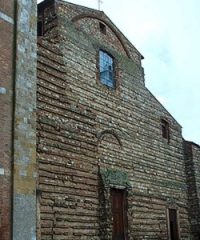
(165, 129)
(40, 28)
(106, 68)
(119, 214)
(102, 28)
(173, 224)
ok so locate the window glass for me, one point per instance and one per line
(106, 69)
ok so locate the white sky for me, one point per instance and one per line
(167, 33)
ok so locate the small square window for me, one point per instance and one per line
(106, 69)
(165, 129)
(102, 28)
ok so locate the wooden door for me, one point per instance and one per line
(173, 225)
(119, 214)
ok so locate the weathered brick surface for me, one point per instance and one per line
(192, 162)
(6, 56)
(86, 18)
(85, 129)
(47, 16)
(89, 138)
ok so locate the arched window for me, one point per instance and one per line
(106, 69)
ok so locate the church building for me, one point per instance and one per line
(87, 152)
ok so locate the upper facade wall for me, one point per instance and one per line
(65, 22)
(91, 26)
(80, 51)
(87, 20)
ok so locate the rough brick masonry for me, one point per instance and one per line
(91, 138)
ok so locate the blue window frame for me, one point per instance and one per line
(106, 68)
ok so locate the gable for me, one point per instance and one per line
(91, 24)
(87, 20)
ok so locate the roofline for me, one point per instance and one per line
(192, 143)
(142, 57)
(164, 108)
(66, 2)
(46, 2)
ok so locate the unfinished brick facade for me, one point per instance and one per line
(111, 161)
(92, 138)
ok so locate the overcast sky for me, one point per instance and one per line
(167, 33)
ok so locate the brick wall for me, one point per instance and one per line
(91, 138)
(192, 160)
(6, 87)
(17, 119)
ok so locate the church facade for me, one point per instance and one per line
(94, 154)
